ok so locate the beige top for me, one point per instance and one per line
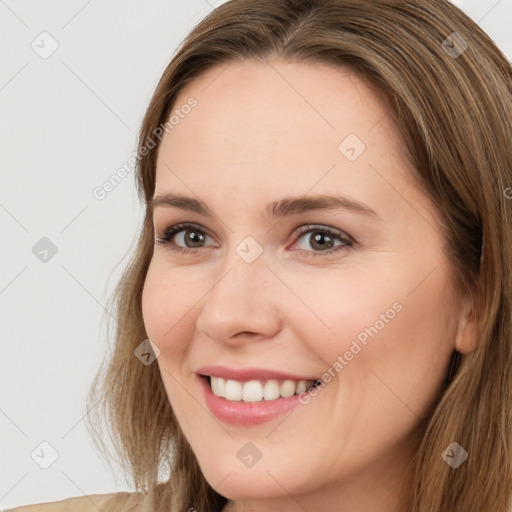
(117, 501)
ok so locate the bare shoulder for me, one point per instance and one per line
(123, 501)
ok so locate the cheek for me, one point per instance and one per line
(153, 305)
(167, 310)
(377, 323)
(337, 309)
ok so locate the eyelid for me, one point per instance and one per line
(346, 241)
(301, 230)
(178, 228)
(307, 228)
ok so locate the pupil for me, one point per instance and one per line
(194, 235)
(318, 237)
(195, 238)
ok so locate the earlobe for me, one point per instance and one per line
(466, 340)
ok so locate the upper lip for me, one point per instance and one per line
(246, 374)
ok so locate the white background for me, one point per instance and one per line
(68, 122)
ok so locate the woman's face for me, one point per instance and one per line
(374, 313)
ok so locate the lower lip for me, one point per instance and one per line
(246, 413)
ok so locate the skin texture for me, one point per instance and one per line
(261, 132)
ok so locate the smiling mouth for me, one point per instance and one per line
(257, 390)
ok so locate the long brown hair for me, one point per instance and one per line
(451, 97)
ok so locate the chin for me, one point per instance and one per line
(263, 480)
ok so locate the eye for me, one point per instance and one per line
(192, 236)
(323, 239)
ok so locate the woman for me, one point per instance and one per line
(324, 269)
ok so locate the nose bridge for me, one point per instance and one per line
(241, 299)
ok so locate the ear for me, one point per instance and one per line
(466, 340)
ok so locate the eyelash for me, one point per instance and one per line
(166, 236)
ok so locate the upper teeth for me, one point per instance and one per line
(256, 390)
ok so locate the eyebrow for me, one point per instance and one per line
(276, 209)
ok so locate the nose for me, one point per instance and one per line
(241, 305)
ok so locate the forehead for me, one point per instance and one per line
(277, 101)
(277, 122)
